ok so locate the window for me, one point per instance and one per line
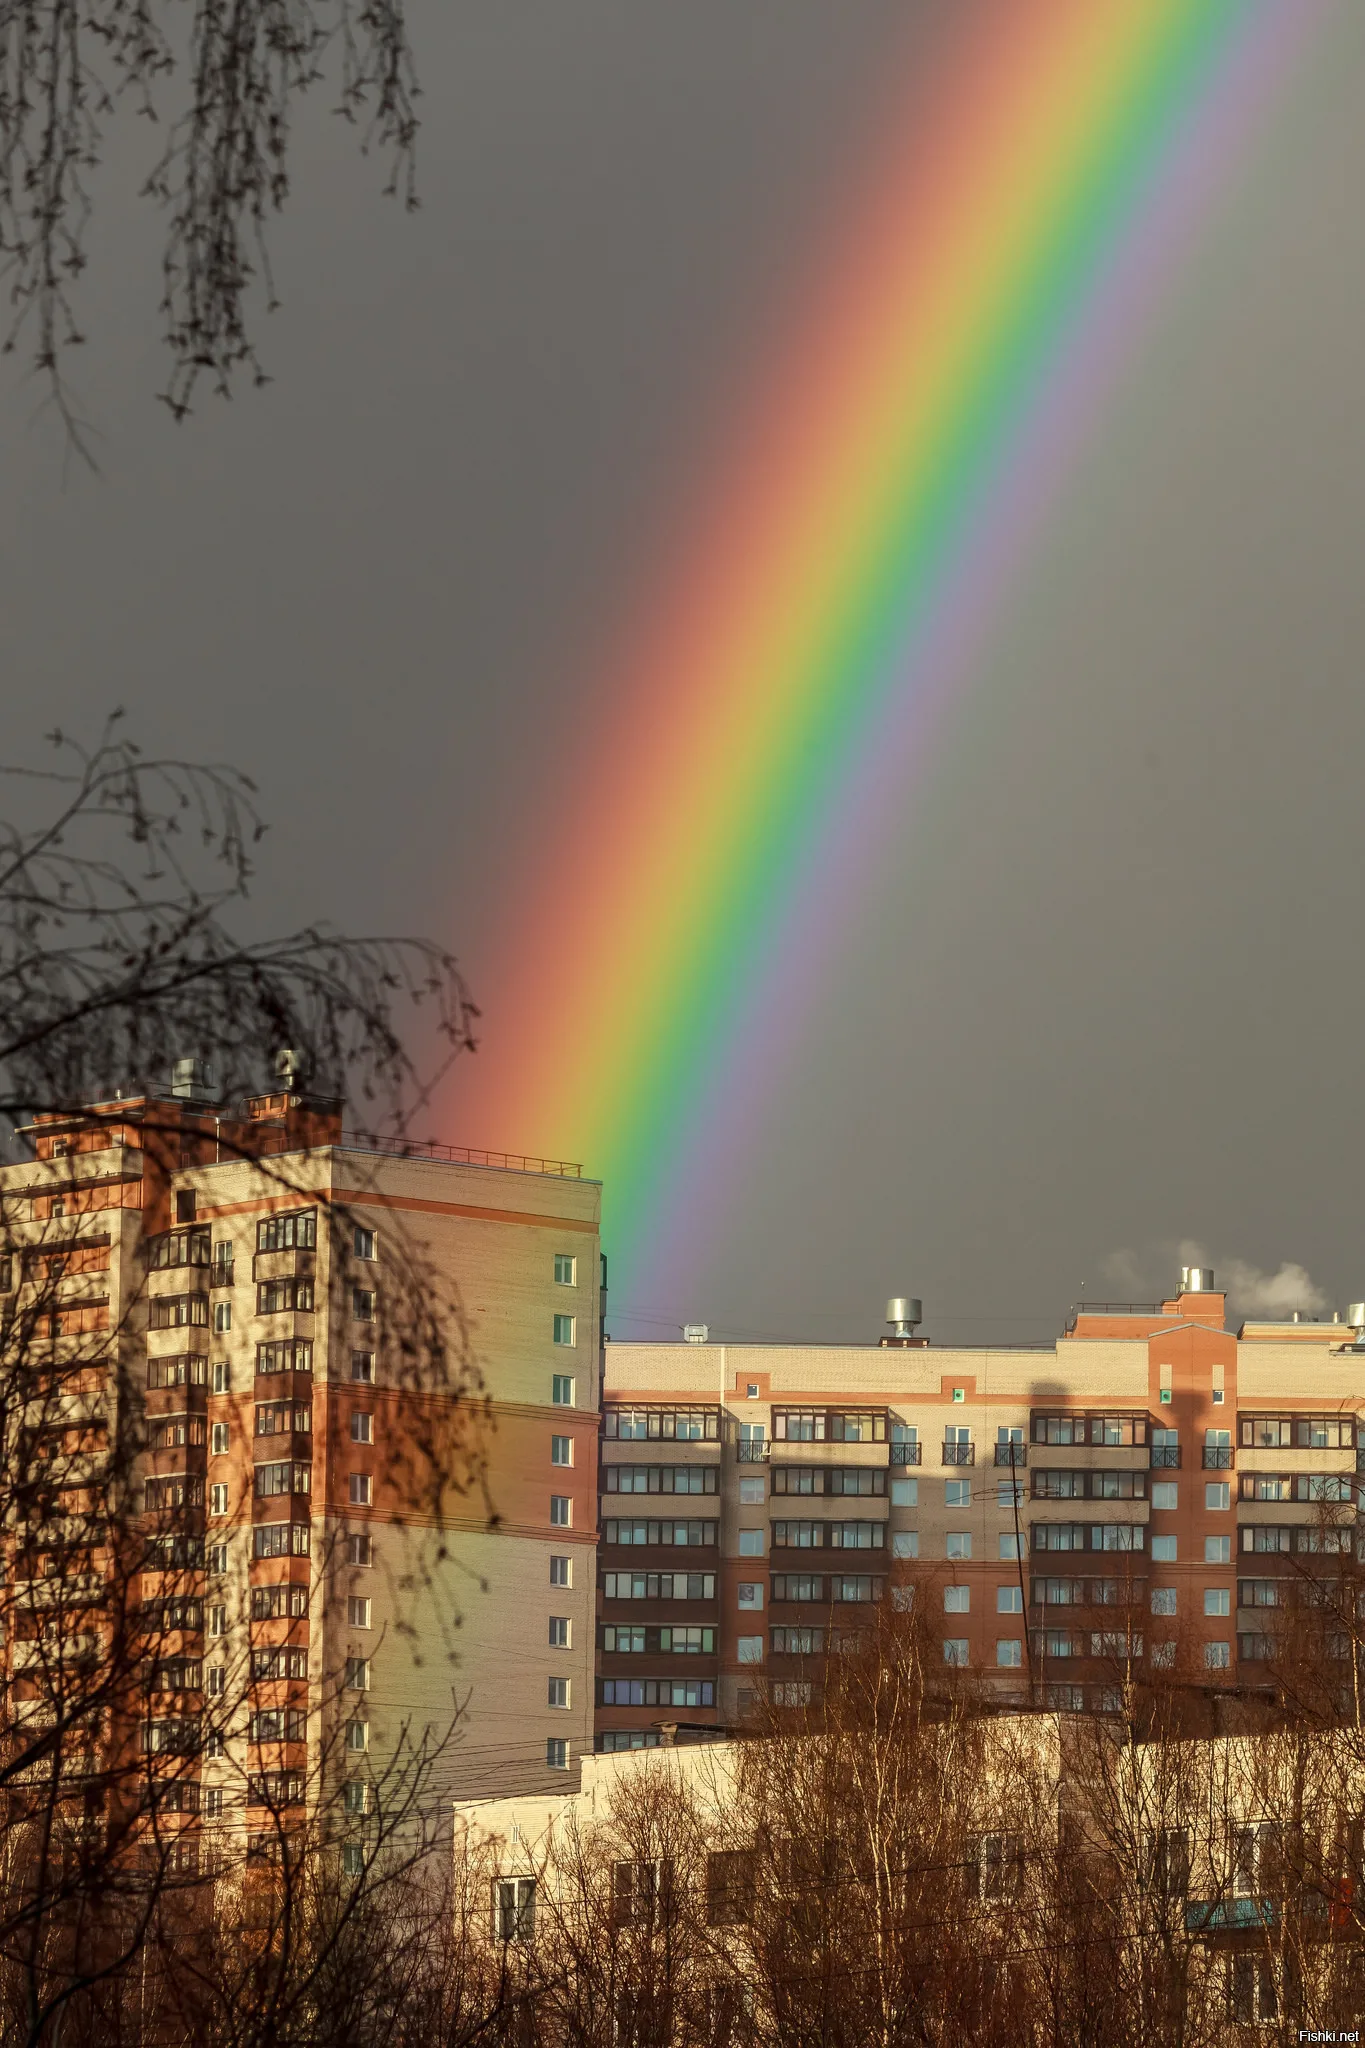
(557, 1693)
(360, 1489)
(362, 1367)
(995, 1868)
(557, 1752)
(269, 1603)
(751, 1543)
(217, 1681)
(561, 1512)
(1009, 1600)
(363, 1242)
(1217, 1494)
(1163, 1550)
(295, 1230)
(560, 1632)
(562, 1389)
(282, 1539)
(1252, 1996)
(213, 1802)
(352, 1859)
(905, 1493)
(218, 1499)
(218, 1439)
(514, 1900)
(750, 1593)
(1169, 1849)
(561, 1450)
(1009, 1494)
(222, 1317)
(357, 1797)
(1009, 1652)
(566, 1270)
(357, 1611)
(1217, 1600)
(1163, 1600)
(1165, 1496)
(218, 1621)
(957, 1493)
(798, 1642)
(905, 1543)
(293, 1355)
(751, 1649)
(561, 1571)
(729, 1891)
(1217, 1656)
(362, 1304)
(286, 1477)
(357, 1737)
(1009, 1547)
(1217, 1550)
(564, 1329)
(957, 1599)
(357, 1674)
(360, 1550)
(955, 1650)
(959, 1544)
(751, 1493)
(222, 1376)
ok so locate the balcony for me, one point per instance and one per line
(1011, 1454)
(959, 1454)
(112, 1162)
(221, 1272)
(752, 1452)
(1218, 1457)
(1165, 1457)
(907, 1454)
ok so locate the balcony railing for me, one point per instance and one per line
(220, 1273)
(907, 1454)
(1011, 1454)
(1167, 1455)
(959, 1454)
(1218, 1457)
(752, 1453)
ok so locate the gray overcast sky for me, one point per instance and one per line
(1106, 993)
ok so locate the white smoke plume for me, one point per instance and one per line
(1252, 1291)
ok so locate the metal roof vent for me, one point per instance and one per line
(904, 1312)
(192, 1081)
(1355, 1316)
(696, 1333)
(1196, 1280)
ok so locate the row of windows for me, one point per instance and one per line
(816, 1586)
(660, 1479)
(677, 1425)
(821, 1425)
(659, 1585)
(1086, 1536)
(638, 1640)
(829, 1535)
(861, 1480)
(695, 1535)
(273, 1298)
(656, 1692)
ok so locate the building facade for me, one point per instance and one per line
(323, 1415)
(1148, 1486)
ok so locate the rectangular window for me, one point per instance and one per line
(218, 1499)
(362, 1367)
(287, 1477)
(751, 1493)
(750, 1649)
(1009, 1652)
(560, 1632)
(1163, 1550)
(357, 1674)
(957, 1599)
(1165, 1496)
(282, 1539)
(564, 1329)
(557, 1692)
(1009, 1547)
(218, 1439)
(363, 1242)
(561, 1450)
(566, 1270)
(295, 1230)
(294, 1355)
(357, 1612)
(905, 1543)
(280, 1297)
(1217, 1656)
(955, 1650)
(1217, 1600)
(1217, 1495)
(750, 1593)
(360, 1489)
(1217, 1550)
(222, 1376)
(751, 1543)
(179, 1311)
(561, 1511)
(360, 1550)
(561, 1571)
(358, 1737)
(1163, 1600)
(562, 1390)
(958, 1545)
(1009, 1600)
(362, 1427)
(1009, 1494)
(905, 1493)
(557, 1752)
(957, 1493)
(514, 1898)
(362, 1304)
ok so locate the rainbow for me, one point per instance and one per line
(777, 692)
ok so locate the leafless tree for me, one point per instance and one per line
(221, 84)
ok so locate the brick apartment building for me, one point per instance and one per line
(1151, 1475)
(190, 1256)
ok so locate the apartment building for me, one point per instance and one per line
(341, 1538)
(1145, 1487)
